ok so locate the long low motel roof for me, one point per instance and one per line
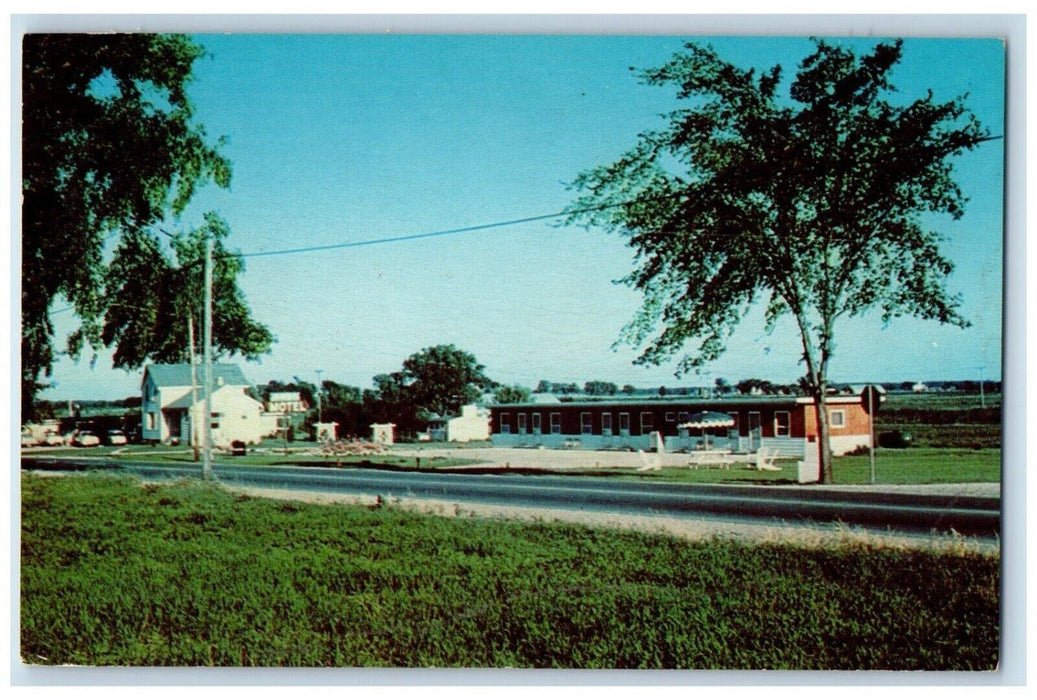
(688, 400)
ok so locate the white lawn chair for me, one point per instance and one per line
(765, 461)
(652, 463)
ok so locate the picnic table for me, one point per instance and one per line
(712, 460)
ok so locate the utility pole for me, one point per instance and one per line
(194, 388)
(320, 410)
(871, 428)
(207, 342)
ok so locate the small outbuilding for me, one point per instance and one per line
(383, 433)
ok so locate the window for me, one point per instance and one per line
(536, 423)
(781, 424)
(586, 423)
(733, 430)
(682, 416)
(556, 423)
(505, 424)
(670, 416)
(606, 424)
(215, 419)
(522, 424)
(646, 422)
(152, 421)
(624, 423)
(837, 419)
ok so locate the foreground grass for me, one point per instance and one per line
(114, 573)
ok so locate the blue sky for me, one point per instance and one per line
(346, 138)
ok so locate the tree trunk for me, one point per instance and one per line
(823, 443)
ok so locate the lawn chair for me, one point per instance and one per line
(765, 461)
(652, 463)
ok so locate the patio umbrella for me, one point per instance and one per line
(707, 420)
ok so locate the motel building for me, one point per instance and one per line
(782, 424)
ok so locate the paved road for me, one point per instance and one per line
(912, 512)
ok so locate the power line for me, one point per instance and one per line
(400, 239)
(411, 237)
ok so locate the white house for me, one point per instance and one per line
(170, 410)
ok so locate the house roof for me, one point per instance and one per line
(180, 375)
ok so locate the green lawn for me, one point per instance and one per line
(918, 465)
(116, 573)
(910, 466)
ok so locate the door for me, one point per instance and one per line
(755, 433)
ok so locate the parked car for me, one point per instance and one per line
(116, 437)
(27, 439)
(55, 439)
(85, 438)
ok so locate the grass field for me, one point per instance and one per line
(952, 421)
(115, 573)
(910, 466)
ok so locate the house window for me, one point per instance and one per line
(152, 421)
(624, 423)
(536, 423)
(781, 424)
(505, 424)
(556, 423)
(837, 419)
(522, 423)
(586, 423)
(646, 422)
(215, 420)
(682, 416)
(606, 424)
(670, 416)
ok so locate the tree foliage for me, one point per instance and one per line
(110, 148)
(599, 387)
(512, 394)
(442, 378)
(812, 204)
(143, 325)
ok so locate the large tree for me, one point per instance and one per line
(813, 204)
(442, 378)
(110, 148)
